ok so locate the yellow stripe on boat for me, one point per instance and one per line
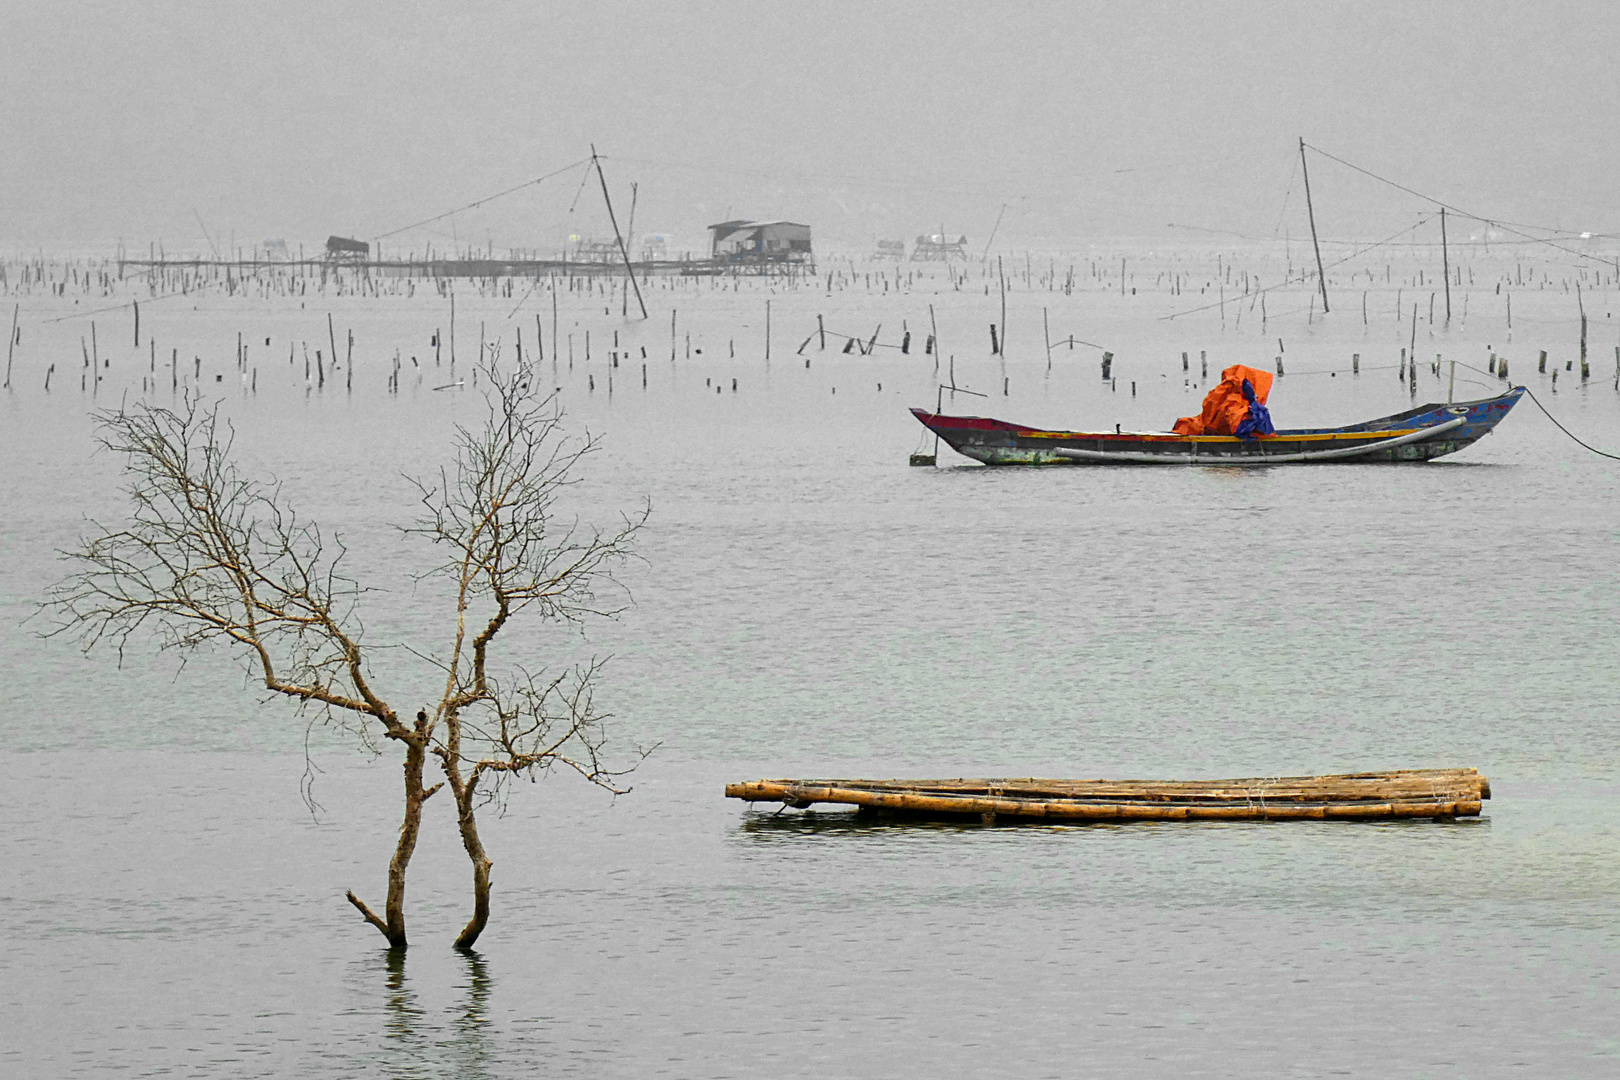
(1163, 436)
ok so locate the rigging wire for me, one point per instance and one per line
(114, 307)
(1288, 193)
(1305, 276)
(1531, 395)
(1512, 227)
(804, 176)
(584, 178)
(485, 199)
(1565, 430)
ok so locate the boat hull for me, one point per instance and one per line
(1420, 434)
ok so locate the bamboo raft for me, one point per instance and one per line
(1406, 793)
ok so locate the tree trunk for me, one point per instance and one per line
(415, 761)
(393, 926)
(481, 865)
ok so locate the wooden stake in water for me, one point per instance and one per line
(1001, 347)
(933, 326)
(1445, 262)
(1585, 371)
(1413, 345)
(1046, 335)
(11, 342)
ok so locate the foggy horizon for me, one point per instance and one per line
(149, 125)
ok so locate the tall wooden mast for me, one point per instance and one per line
(1310, 212)
(628, 269)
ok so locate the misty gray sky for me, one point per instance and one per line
(1089, 120)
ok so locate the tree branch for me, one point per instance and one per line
(366, 913)
(211, 555)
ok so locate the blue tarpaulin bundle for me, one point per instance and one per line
(1237, 406)
(1258, 422)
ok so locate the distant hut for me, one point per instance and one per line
(342, 249)
(939, 247)
(596, 251)
(745, 241)
(655, 247)
(890, 249)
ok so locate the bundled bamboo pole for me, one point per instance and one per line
(1440, 793)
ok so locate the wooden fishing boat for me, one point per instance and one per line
(1420, 434)
(1405, 793)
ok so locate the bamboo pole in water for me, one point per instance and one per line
(1408, 793)
(1001, 347)
(331, 340)
(1445, 263)
(11, 343)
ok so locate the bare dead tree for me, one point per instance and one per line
(509, 553)
(212, 557)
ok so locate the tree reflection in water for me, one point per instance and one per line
(472, 1051)
(418, 1045)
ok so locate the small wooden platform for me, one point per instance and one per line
(1407, 793)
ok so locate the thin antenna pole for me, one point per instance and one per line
(211, 245)
(1445, 262)
(628, 269)
(994, 229)
(630, 226)
(1310, 211)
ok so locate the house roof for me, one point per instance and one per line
(745, 223)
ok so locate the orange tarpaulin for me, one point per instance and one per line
(1225, 407)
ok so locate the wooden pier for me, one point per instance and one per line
(478, 268)
(1407, 793)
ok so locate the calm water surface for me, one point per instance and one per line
(809, 605)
